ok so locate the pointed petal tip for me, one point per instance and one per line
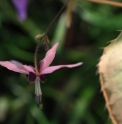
(49, 57)
(56, 45)
(51, 69)
(17, 67)
(74, 65)
(79, 63)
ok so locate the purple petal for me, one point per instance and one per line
(31, 77)
(17, 67)
(51, 69)
(21, 7)
(49, 57)
(43, 78)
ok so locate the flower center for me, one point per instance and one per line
(38, 91)
(31, 77)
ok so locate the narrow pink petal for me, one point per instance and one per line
(17, 67)
(49, 57)
(25, 67)
(51, 69)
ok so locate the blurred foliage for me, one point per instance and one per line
(70, 96)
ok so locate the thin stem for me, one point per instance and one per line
(113, 3)
(56, 16)
(35, 60)
(45, 36)
(35, 55)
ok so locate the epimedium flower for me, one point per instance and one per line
(37, 74)
(21, 8)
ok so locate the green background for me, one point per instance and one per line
(70, 96)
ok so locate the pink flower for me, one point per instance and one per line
(34, 75)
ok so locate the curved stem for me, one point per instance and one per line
(35, 55)
(35, 60)
(56, 16)
(42, 37)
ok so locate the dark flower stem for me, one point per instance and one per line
(56, 16)
(44, 36)
(41, 39)
(35, 59)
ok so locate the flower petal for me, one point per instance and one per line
(17, 67)
(51, 69)
(31, 77)
(21, 8)
(49, 57)
(43, 78)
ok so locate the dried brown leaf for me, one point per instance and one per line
(110, 70)
(113, 3)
